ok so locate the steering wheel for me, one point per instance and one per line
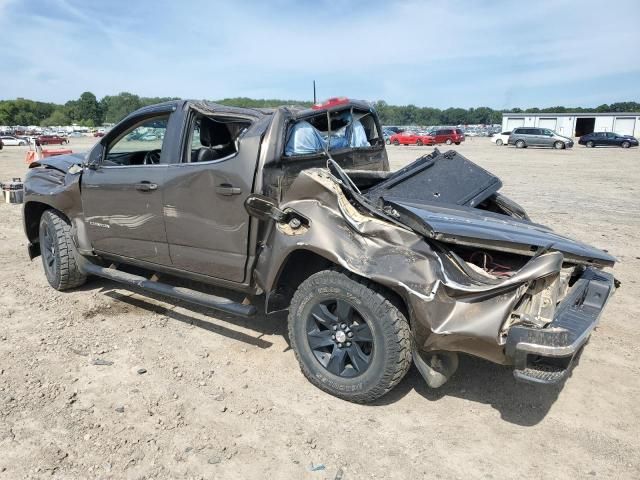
(152, 157)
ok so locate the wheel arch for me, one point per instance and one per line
(32, 213)
(300, 264)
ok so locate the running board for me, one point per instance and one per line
(181, 293)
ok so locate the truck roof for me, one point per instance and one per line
(299, 111)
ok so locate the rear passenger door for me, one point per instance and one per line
(537, 137)
(206, 222)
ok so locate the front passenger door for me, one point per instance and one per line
(122, 191)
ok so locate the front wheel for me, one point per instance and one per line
(22, 144)
(396, 143)
(558, 145)
(625, 145)
(349, 340)
(419, 143)
(590, 144)
(387, 141)
(499, 142)
(56, 249)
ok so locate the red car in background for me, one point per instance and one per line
(98, 134)
(448, 136)
(411, 138)
(52, 140)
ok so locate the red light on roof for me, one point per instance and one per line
(331, 102)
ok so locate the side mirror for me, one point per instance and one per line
(262, 207)
(265, 208)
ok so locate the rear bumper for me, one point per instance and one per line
(546, 355)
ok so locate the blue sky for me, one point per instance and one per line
(442, 54)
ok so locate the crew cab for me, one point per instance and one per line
(296, 209)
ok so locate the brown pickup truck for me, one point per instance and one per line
(296, 209)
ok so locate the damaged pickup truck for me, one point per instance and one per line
(297, 209)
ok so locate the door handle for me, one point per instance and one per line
(146, 186)
(227, 189)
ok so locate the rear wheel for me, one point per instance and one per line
(387, 141)
(499, 142)
(457, 143)
(590, 144)
(448, 142)
(350, 341)
(56, 249)
(558, 145)
(419, 143)
(520, 144)
(396, 143)
(22, 143)
(625, 144)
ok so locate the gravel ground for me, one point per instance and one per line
(103, 383)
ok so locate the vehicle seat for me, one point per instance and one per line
(215, 139)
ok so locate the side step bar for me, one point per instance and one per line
(181, 293)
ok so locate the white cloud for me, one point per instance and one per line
(406, 52)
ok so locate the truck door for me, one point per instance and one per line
(207, 224)
(122, 190)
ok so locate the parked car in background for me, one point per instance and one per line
(538, 137)
(98, 134)
(448, 136)
(608, 139)
(75, 135)
(500, 138)
(10, 140)
(52, 140)
(1, 144)
(411, 138)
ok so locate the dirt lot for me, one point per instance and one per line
(223, 397)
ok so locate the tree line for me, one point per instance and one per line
(88, 111)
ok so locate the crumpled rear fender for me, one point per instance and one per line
(446, 314)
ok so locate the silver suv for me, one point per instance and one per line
(538, 137)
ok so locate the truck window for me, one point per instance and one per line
(337, 130)
(141, 144)
(214, 138)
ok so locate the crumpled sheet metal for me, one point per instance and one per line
(445, 314)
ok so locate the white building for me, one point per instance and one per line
(575, 124)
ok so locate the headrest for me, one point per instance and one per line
(213, 133)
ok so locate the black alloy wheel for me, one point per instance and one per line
(340, 339)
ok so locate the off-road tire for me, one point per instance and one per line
(520, 144)
(60, 266)
(559, 145)
(391, 353)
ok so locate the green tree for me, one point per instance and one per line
(58, 117)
